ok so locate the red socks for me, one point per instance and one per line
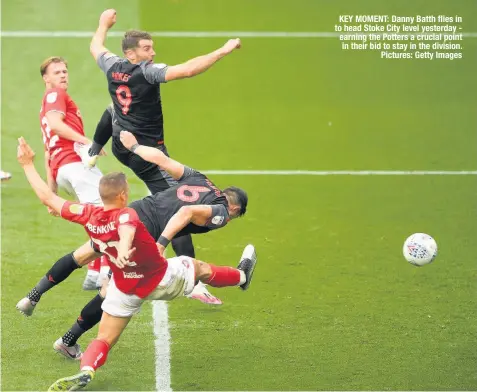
(95, 355)
(223, 276)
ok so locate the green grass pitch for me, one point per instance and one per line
(333, 305)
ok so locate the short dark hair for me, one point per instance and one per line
(239, 197)
(111, 185)
(132, 37)
(50, 60)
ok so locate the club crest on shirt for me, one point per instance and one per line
(51, 97)
(76, 209)
(217, 220)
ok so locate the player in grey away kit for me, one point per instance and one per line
(134, 86)
(193, 205)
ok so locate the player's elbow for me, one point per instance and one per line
(95, 49)
(186, 212)
(46, 199)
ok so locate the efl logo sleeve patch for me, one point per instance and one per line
(123, 218)
(51, 97)
(217, 220)
(76, 209)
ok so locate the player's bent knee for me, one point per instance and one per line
(202, 270)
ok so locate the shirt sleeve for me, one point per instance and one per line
(55, 101)
(106, 60)
(188, 172)
(154, 73)
(76, 212)
(219, 217)
(129, 217)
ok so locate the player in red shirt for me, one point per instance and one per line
(140, 273)
(64, 139)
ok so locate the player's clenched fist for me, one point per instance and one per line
(108, 18)
(25, 154)
(232, 44)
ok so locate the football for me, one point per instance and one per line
(420, 249)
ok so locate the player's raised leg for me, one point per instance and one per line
(90, 316)
(222, 276)
(183, 246)
(55, 275)
(122, 307)
(96, 354)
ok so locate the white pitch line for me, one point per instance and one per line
(162, 345)
(194, 34)
(341, 172)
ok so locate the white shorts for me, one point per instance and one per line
(80, 181)
(178, 280)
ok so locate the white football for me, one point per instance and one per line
(420, 249)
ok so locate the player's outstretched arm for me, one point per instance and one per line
(25, 157)
(153, 155)
(106, 21)
(199, 215)
(201, 64)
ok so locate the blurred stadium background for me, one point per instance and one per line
(333, 306)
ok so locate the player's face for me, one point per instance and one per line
(234, 210)
(56, 76)
(145, 50)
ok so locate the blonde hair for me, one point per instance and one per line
(46, 63)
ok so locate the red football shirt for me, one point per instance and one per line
(61, 150)
(146, 266)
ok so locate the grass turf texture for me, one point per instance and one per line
(333, 305)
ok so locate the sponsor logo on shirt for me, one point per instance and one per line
(51, 97)
(217, 220)
(159, 65)
(132, 275)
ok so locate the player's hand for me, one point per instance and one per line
(231, 45)
(123, 257)
(25, 154)
(52, 212)
(161, 249)
(108, 18)
(128, 139)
